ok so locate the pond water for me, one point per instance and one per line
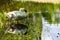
(51, 31)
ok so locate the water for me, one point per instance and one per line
(51, 31)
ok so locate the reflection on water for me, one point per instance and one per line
(51, 31)
(57, 14)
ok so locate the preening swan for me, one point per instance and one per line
(21, 14)
(17, 29)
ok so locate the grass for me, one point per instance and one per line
(33, 21)
(33, 25)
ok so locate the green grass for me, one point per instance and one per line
(34, 28)
(34, 21)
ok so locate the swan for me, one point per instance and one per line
(21, 14)
(17, 29)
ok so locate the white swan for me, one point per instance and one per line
(17, 29)
(22, 13)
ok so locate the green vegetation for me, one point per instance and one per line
(34, 21)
